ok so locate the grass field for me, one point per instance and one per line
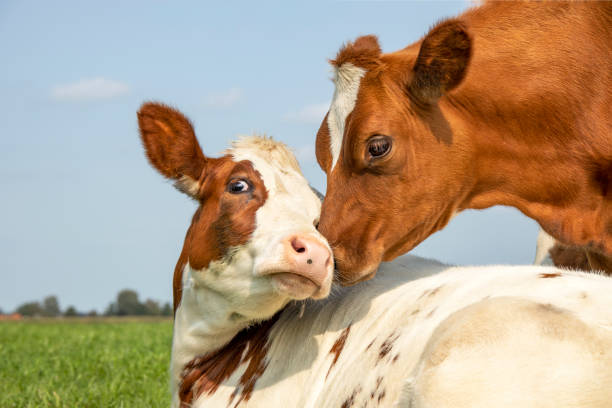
(84, 363)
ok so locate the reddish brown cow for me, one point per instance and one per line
(508, 104)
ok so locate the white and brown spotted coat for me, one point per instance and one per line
(495, 336)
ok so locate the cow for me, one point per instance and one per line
(252, 246)
(508, 104)
(421, 334)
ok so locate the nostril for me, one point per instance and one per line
(298, 246)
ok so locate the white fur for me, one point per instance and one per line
(347, 79)
(188, 186)
(464, 337)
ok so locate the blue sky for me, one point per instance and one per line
(83, 215)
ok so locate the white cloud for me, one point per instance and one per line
(225, 99)
(309, 114)
(89, 90)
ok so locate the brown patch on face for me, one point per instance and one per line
(364, 53)
(204, 374)
(338, 346)
(323, 147)
(549, 275)
(223, 220)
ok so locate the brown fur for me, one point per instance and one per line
(509, 104)
(549, 275)
(170, 142)
(364, 53)
(204, 374)
(565, 256)
(338, 346)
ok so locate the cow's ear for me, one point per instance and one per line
(171, 146)
(442, 61)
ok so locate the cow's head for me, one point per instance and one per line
(252, 240)
(392, 162)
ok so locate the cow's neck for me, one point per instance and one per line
(531, 161)
(211, 340)
(530, 118)
(203, 324)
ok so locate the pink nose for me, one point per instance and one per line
(308, 257)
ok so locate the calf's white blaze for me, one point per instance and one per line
(291, 208)
(347, 79)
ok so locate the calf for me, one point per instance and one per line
(252, 245)
(458, 337)
(508, 104)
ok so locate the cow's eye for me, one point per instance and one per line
(238, 186)
(379, 146)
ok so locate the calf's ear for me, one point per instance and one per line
(442, 61)
(171, 145)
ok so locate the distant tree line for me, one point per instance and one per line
(126, 304)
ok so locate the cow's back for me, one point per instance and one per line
(366, 343)
(551, 61)
(513, 352)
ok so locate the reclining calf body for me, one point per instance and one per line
(476, 337)
(421, 334)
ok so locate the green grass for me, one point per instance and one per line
(84, 364)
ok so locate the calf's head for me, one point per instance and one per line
(252, 239)
(391, 162)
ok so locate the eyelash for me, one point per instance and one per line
(244, 186)
(378, 146)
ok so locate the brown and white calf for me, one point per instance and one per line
(508, 104)
(252, 245)
(457, 337)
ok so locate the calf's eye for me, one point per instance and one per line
(238, 186)
(379, 146)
